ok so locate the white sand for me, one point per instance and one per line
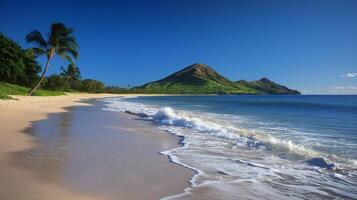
(15, 116)
(18, 183)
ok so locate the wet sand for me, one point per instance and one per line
(88, 153)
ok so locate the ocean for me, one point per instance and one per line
(258, 147)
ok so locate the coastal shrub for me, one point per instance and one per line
(92, 86)
(74, 85)
(73, 76)
(56, 82)
(17, 65)
(116, 90)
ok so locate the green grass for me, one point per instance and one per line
(7, 89)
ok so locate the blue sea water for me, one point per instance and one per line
(259, 147)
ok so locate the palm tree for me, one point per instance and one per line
(60, 41)
(72, 73)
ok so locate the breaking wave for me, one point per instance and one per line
(167, 116)
(212, 145)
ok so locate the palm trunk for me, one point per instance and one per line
(42, 77)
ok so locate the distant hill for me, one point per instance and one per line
(202, 79)
(266, 86)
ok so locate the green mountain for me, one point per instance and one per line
(267, 86)
(201, 79)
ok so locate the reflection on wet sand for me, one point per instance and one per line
(104, 154)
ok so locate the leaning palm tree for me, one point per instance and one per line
(60, 41)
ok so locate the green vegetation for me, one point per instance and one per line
(69, 81)
(195, 79)
(72, 74)
(56, 82)
(7, 89)
(201, 79)
(59, 42)
(118, 90)
(209, 87)
(93, 86)
(266, 86)
(17, 65)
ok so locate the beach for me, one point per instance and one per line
(67, 147)
(82, 146)
(257, 147)
(178, 100)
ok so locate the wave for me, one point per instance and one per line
(225, 154)
(203, 124)
(243, 159)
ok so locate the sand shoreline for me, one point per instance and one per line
(15, 117)
(22, 110)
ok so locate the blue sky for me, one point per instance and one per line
(308, 45)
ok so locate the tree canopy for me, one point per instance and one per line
(17, 65)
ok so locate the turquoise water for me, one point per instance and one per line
(296, 147)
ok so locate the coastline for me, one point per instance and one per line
(19, 115)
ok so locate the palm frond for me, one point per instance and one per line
(37, 51)
(63, 72)
(37, 38)
(69, 41)
(69, 51)
(62, 40)
(58, 30)
(65, 56)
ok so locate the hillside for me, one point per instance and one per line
(266, 86)
(195, 79)
(202, 79)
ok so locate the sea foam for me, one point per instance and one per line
(223, 153)
(199, 123)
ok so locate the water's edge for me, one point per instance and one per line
(295, 159)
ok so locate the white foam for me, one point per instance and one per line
(170, 117)
(199, 130)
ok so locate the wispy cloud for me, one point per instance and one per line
(349, 75)
(344, 89)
